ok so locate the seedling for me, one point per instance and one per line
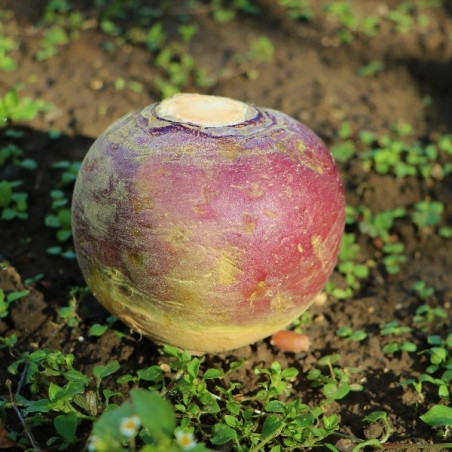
(7, 45)
(13, 204)
(422, 290)
(297, 10)
(393, 257)
(13, 108)
(335, 384)
(427, 213)
(372, 68)
(11, 297)
(348, 333)
(13, 155)
(381, 416)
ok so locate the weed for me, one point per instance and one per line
(70, 172)
(335, 383)
(427, 213)
(11, 297)
(422, 290)
(402, 17)
(296, 9)
(13, 204)
(427, 317)
(394, 329)
(383, 417)
(351, 271)
(372, 68)
(13, 108)
(223, 12)
(13, 155)
(7, 45)
(348, 333)
(394, 257)
(61, 24)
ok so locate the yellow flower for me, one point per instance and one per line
(129, 426)
(185, 440)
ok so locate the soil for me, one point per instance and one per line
(311, 78)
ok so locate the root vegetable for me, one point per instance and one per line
(207, 223)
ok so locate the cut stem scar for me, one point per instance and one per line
(205, 111)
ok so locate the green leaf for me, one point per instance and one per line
(358, 335)
(75, 375)
(375, 416)
(305, 420)
(156, 414)
(222, 434)
(152, 373)
(329, 359)
(344, 331)
(63, 234)
(275, 406)
(438, 416)
(6, 194)
(336, 392)
(52, 221)
(66, 426)
(54, 250)
(193, 367)
(213, 373)
(97, 329)
(100, 372)
(391, 347)
(291, 372)
(13, 296)
(271, 425)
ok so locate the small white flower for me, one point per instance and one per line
(185, 440)
(129, 426)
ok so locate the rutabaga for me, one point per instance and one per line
(207, 223)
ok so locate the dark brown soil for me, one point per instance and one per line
(312, 78)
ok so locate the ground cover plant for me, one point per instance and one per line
(373, 80)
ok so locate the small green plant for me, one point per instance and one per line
(372, 68)
(60, 24)
(278, 383)
(378, 416)
(394, 257)
(223, 11)
(7, 45)
(439, 417)
(348, 333)
(427, 213)
(402, 17)
(53, 38)
(349, 24)
(13, 204)
(394, 329)
(260, 51)
(60, 219)
(422, 290)
(8, 299)
(427, 317)
(335, 383)
(297, 9)
(13, 108)
(351, 271)
(70, 171)
(380, 224)
(147, 416)
(13, 154)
